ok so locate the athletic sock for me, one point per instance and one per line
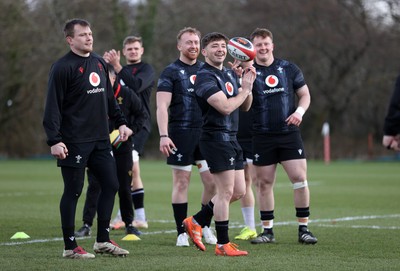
(209, 218)
(248, 217)
(222, 227)
(138, 198)
(119, 216)
(140, 214)
(205, 214)
(180, 213)
(267, 220)
(302, 215)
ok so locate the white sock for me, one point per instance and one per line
(119, 217)
(248, 217)
(140, 214)
(267, 224)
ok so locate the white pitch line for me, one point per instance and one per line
(373, 227)
(238, 225)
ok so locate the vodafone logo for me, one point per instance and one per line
(271, 81)
(94, 79)
(192, 79)
(229, 88)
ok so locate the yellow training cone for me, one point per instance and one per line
(131, 237)
(20, 235)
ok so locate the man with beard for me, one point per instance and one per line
(179, 124)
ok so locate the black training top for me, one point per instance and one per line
(140, 77)
(178, 78)
(209, 81)
(79, 101)
(392, 120)
(274, 96)
(133, 111)
(131, 106)
(245, 124)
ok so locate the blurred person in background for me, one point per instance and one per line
(391, 128)
(140, 77)
(132, 109)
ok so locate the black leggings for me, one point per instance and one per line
(124, 167)
(73, 184)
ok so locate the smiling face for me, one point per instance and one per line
(81, 42)
(215, 53)
(189, 47)
(264, 50)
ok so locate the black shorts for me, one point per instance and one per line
(139, 139)
(187, 144)
(269, 149)
(247, 147)
(81, 155)
(222, 155)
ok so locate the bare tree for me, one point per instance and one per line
(347, 52)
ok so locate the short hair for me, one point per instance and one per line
(132, 39)
(213, 36)
(70, 24)
(261, 32)
(187, 30)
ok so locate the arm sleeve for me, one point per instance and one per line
(114, 111)
(52, 118)
(139, 114)
(139, 82)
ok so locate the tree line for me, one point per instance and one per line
(348, 51)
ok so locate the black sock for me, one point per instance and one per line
(180, 213)
(208, 222)
(268, 231)
(138, 198)
(267, 215)
(303, 228)
(205, 215)
(222, 227)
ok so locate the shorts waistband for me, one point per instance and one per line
(218, 137)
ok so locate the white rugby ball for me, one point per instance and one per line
(241, 49)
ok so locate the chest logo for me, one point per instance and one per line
(271, 81)
(94, 79)
(229, 88)
(192, 79)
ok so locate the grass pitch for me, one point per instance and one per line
(355, 213)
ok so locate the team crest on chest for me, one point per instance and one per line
(271, 81)
(229, 88)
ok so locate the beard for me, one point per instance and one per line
(191, 56)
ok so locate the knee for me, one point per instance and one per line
(74, 193)
(300, 185)
(264, 184)
(238, 194)
(181, 184)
